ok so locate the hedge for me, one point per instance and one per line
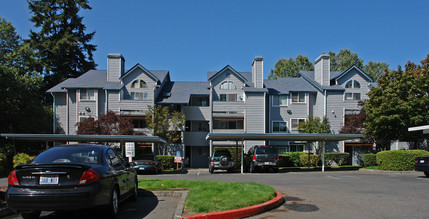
(314, 159)
(369, 159)
(336, 158)
(22, 158)
(401, 160)
(167, 161)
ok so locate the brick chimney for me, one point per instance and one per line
(322, 70)
(258, 72)
(115, 66)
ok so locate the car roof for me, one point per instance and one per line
(102, 147)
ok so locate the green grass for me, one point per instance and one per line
(371, 167)
(211, 196)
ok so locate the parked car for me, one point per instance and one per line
(221, 160)
(262, 157)
(72, 177)
(146, 163)
(422, 164)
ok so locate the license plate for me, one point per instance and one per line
(267, 163)
(422, 161)
(48, 180)
(141, 168)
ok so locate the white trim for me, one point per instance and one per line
(96, 103)
(68, 112)
(291, 97)
(278, 96)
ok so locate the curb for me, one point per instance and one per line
(242, 212)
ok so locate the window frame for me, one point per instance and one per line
(298, 93)
(285, 126)
(279, 97)
(291, 123)
(227, 97)
(85, 91)
(351, 96)
(138, 84)
(145, 96)
(230, 85)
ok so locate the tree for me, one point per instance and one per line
(315, 125)
(375, 69)
(344, 60)
(399, 101)
(166, 124)
(290, 67)
(108, 124)
(61, 42)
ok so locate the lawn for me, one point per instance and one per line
(212, 196)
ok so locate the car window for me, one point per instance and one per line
(221, 153)
(115, 161)
(84, 155)
(265, 150)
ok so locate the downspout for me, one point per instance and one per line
(54, 114)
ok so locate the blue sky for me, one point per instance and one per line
(189, 38)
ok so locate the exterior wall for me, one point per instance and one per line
(257, 72)
(101, 102)
(199, 157)
(72, 116)
(196, 112)
(227, 75)
(138, 74)
(113, 102)
(60, 113)
(322, 70)
(115, 67)
(334, 110)
(82, 106)
(195, 139)
(254, 117)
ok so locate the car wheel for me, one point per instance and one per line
(252, 168)
(135, 192)
(427, 173)
(113, 209)
(211, 169)
(31, 215)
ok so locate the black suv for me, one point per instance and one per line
(260, 156)
(221, 159)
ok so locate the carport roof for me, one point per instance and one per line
(281, 137)
(103, 138)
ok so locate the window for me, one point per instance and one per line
(228, 97)
(298, 97)
(87, 94)
(228, 124)
(352, 96)
(352, 84)
(228, 85)
(296, 147)
(138, 84)
(138, 96)
(199, 101)
(295, 123)
(279, 126)
(280, 100)
(196, 126)
(139, 123)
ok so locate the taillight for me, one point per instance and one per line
(254, 157)
(89, 176)
(278, 157)
(149, 163)
(212, 158)
(12, 179)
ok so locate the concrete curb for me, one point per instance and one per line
(178, 194)
(242, 212)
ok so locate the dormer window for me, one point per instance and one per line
(138, 84)
(352, 84)
(228, 85)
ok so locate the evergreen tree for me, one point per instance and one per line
(62, 45)
(290, 67)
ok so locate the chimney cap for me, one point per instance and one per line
(323, 55)
(115, 55)
(258, 58)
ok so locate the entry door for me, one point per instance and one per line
(200, 157)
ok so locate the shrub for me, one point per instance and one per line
(314, 159)
(294, 157)
(336, 157)
(399, 160)
(369, 159)
(21, 158)
(285, 161)
(167, 161)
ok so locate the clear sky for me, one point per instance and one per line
(190, 38)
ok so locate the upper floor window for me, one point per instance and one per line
(87, 94)
(352, 96)
(139, 96)
(280, 100)
(197, 126)
(228, 124)
(199, 101)
(279, 126)
(352, 84)
(298, 97)
(138, 84)
(228, 85)
(228, 97)
(295, 123)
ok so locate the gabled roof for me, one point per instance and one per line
(288, 85)
(349, 69)
(179, 92)
(91, 79)
(228, 67)
(157, 76)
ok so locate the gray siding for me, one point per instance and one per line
(195, 139)
(335, 110)
(254, 116)
(257, 73)
(227, 76)
(72, 117)
(196, 112)
(115, 68)
(61, 113)
(138, 74)
(91, 104)
(101, 102)
(113, 102)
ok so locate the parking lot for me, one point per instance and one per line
(340, 194)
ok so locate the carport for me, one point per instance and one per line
(309, 138)
(85, 138)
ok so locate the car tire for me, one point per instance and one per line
(427, 173)
(31, 215)
(113, 208)
(211, 170)
(134, 196)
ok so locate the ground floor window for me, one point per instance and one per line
(290, 148)
(228, 124)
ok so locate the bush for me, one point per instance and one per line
(336, 157)
(167, 161)
(399, 160)
(314, 159)
(294, 157)
(285, 161)
(369, 159)
(21, 158)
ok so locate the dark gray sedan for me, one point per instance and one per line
(72, 177)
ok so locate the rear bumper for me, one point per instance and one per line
(216, 165)
(144, 168)
(54, 199)
(265, 164)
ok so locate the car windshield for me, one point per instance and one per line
(265, 150)
(85, 155)
(144, 157)
(221, 153)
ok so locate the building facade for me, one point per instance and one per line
(228, 102)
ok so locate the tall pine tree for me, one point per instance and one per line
(62, 45)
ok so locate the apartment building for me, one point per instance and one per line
(228, 102)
